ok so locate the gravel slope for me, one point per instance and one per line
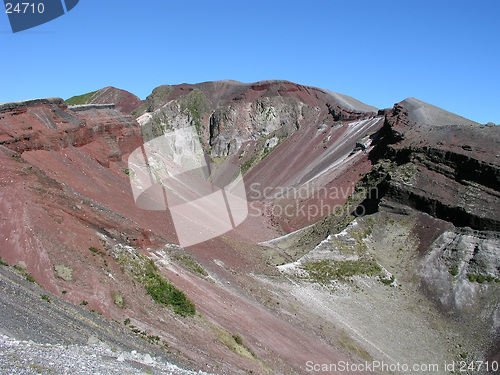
(41, 337)
(27, 357)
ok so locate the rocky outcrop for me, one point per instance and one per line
(444, 165)
(48, 124)
(5, 107)
(460, 272)
(230, 127)
(229, 113)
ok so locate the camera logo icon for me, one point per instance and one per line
(172, 172)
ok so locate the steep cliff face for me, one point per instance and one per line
(230, 113)
(281, 134)
(444, 164)
(435, 162)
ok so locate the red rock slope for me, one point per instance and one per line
(68, 216)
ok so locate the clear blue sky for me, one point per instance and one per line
(446, 53)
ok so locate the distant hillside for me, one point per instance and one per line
(81, 99)
(123, 100)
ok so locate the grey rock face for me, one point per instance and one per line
(462, 271)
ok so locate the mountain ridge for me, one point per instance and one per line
(65, 189)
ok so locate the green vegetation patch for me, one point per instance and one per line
(81, 99)
(388, 281)
(359, 247)
(30, 278)
(95, 250)
(152, 339)
(233, 342)
(482, 278)
(158, 97)
(190, 264)
(197, 104)
(146, 272)
(454, 271)
(118, 299)
(405, 172)
(324, 271)
(245, 167)
(166, 293)
(63, 272)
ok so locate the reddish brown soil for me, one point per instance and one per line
(68, 190)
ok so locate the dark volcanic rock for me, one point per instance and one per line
(446, 165)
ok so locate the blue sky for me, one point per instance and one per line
(446, 52)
